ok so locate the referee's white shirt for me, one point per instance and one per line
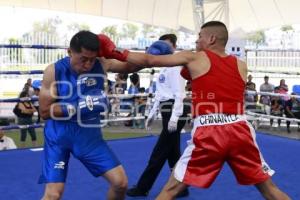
(170, 85)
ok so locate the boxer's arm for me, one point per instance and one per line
(111, 65)
(142, 59)
(47, 95)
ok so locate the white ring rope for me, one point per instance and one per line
(274, 72)
(272, 94)
(124, 96)
(263, 116)
(102, 123)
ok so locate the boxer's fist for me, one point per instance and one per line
(109, 50)
(160, 48)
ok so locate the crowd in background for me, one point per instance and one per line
(280, 105)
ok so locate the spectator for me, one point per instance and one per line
(120, 84)
(26, 110)
(283, 89)
(292, 110)
(152, 84)
(108, 86)
(141, 107)
(36, 85)
(276, 110)
(265, 100)
(132, 102)
(151, 91)
(250, 83)
(251, 99)
(282, 86)
(6, 142)
(28, 87)
(117, 88)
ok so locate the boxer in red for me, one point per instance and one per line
(221, 132)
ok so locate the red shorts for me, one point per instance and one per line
(219, 138)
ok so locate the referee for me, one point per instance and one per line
(169, 99)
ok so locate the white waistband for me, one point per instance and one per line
(217, 119)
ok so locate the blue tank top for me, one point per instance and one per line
(70, 85)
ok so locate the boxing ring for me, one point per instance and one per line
(20, 168)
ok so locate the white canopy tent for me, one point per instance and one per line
(186, 15)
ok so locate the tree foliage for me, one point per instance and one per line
(48, 26)
(146, 30)
(257, 37)
(286, 28)
(75, 27)
(111, 31)
(129, 31)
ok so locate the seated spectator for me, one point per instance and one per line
(282, 89)
(26, 110)
(6, 142)
(292, 110)
(276, 109)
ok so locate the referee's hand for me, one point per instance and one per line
(148, 122)
(172, 126)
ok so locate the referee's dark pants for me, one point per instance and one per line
(167, 147)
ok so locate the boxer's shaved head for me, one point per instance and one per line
(218, 29)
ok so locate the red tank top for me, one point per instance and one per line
(221, 89)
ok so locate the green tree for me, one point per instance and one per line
(75, 27)
(147, 29)
(111, 31)
(48, 26)
(129, 30)
(15, 54)
(287, 35)
(257, 37)
(163, 31)
(43, 32)
(287, 28)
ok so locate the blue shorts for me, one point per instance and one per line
(85, 144)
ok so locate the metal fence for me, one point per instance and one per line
(38, 50)
(31, 52)
(287, 59)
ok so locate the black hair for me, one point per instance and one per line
(23, 94)
(172, 37)
(123, 76)
(142, 90)
(152, 71)
(223, 34)
(134, 78)
(86, 40)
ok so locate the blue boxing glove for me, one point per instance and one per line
(160, 47)
(93, 103)
(89, 105)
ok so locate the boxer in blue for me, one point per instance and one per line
(71, 99)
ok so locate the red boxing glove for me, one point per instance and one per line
(185, 73)
(109, 50)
